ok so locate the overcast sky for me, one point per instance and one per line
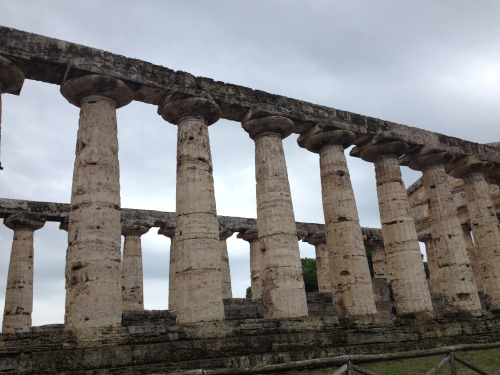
(429, 64)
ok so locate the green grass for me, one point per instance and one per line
(487, 360)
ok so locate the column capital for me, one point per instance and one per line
(257, 123)
(426, 157)
(493, 175)
(379, 147)
(64, 225)
(225, 234)
(177, 105)
(317, 137)
(249, 235)
(11, 76)
(167, 231)
(424, 236)
(315, 238)
(468, 165)
(134, 230)
(24, 221)
(75, 90)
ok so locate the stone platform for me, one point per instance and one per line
(243, 343)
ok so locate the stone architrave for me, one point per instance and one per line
(224, 261)
(132, 278)
(349, 271)
(283, 291)
(456, 282)
(11, 80)
(379, 261)
(322, 263)
(199, 277)
(93, 260)
(256, 260)
(19, 292)
(431, 262)
(402, 250)
(172, 274)
(471, 252)
(484, 224)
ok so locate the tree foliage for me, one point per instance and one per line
(309, 274)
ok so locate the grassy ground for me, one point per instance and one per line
(487, 360)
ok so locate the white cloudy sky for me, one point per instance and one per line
(430, 64)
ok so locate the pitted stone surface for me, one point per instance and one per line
(379, 262)
(11, 77)
(432, 263)
(322, 262)
(283, 292)
(350, 276)
(471, 252)
(19, 291)
(349, 272)
(404, 262)
(256, 261)
(486, 231)
(455, 276)
(198, 295)
(132, 278)
(173, 273)
(93, 262)
(224, 264)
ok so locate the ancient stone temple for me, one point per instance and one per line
(453, 209)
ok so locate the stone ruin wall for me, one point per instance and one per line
(99, 284)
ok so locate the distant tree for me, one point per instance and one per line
(249, 292)
(309, 274)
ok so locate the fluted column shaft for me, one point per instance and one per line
(432, 263)
(484, 224)
(455, 276)
(19, 291)
(132, 275)
(471, 252)
(283, 291)
(172, 273)
(224, 261)
(322, 262)
(256, 262)
(379, 262)
(404, 261)
(199, 278)
(93, 261)
(349, 271)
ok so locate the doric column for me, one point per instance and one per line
(404, 261)
(93, 261)
(471, 252)
(256, 261)
(172, 273)
(379, 260)
(224, 264)
(283, 291)
(484, 224)
(199, 278)
(349, 271)
(19, 292)
(432, 263)
(455, 276)
(11, 80)
(318, 240)
(132, 280)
